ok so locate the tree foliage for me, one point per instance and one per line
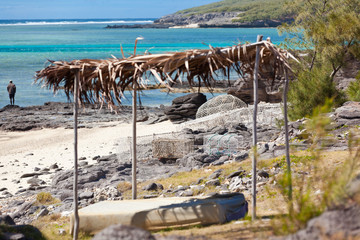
(330, 27)
(312, 89)
(329, 30)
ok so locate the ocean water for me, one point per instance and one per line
(25, 46)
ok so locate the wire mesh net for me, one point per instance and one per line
(165, 145)
(226, 144)
(171, 148)
(268, 114)
(219, 104)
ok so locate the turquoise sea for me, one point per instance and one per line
(25, 46)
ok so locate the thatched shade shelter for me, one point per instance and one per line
(104, 81)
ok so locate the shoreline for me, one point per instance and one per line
(37, 150)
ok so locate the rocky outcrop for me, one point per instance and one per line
(56, 114)
(215, 19)
(123, 232)
(205, 20)
(245, 91)
(335, 224)
(348, 114)
(185, 107)
(179, 19)
(347, 73)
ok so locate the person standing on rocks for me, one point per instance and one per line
(11, 88)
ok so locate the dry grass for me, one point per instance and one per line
(233, 230)
(45, 198)
(270, 202)
(52, 224)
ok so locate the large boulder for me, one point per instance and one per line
(123, 232)
(347, 73)
(244, 90)
(343, 223)
(219, 104)
(348, 114)
(185, 107)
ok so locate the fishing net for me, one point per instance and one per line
(219, 104)
(269, 114)
(226, 144)
(162, 146)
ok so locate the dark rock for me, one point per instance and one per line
(341, 223)
(33, 209)
(240, 173)
(199, 181)
(107, 158)
(263, 148)
(211, 159)
(241, 156)
(150, 187)
(220, 161)
(86, 195)
(6, 220)
(26, 175)
(219, 130)
(184, 107)
(25, 206)
(83, 164)
(263, 173)
(216, 174)
(348, 110)
(36, 181)
(22, 232)
(3, 189)
(244, 90)
(214, 182)
(82, 158)
(123, 232)
(150, 196)
(42, 213)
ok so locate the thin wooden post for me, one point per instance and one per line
(254, 159)
(287, 147)
(75, 186)
(134, 187)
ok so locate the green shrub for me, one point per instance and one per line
(353, 91)
(317, 186)
(311, 89)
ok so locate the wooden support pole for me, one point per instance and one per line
(287, 144)
(254, 159)
(134, 187)
(75, 186)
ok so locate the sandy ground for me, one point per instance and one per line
(22, 152)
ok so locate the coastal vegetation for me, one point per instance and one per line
(329, 30)
(249, 10)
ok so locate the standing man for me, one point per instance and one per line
(11, 88)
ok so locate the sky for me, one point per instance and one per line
(70, 9)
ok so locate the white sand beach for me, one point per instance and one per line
(22, 152)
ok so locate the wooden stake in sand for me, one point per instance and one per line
(287, 147)
(76, 104)
(134, 142)
(257, 60)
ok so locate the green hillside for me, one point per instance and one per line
(252, 10)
